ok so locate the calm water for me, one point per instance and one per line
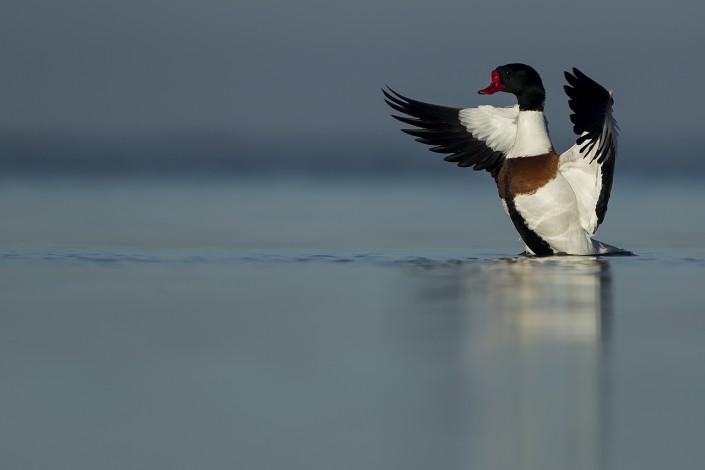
(310, 325)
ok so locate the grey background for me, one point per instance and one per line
(277, 84)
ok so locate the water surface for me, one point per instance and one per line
(320, 325)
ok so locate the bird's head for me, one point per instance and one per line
(520, 80)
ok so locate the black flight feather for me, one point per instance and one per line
(440, 127)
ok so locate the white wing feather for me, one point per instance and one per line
(585, 177)
(497, 127)
(584, 174)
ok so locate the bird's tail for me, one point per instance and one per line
(605, 249)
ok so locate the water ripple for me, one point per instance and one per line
(440, 261)
(106, 258)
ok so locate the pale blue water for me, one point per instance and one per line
(340, 325)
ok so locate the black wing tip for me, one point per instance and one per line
(580, 78)
(588, 100)
(393, 95)
(578, 73)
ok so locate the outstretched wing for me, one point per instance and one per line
(474, 137)
(589, 164)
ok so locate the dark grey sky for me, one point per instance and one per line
(317, 66)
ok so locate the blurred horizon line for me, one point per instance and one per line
(224, 153)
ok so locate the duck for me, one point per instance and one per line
(556, 202)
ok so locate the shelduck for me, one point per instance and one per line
(556, 202)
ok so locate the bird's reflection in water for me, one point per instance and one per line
(560, 298)
(528, 336)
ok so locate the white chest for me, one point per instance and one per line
(531, 137)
